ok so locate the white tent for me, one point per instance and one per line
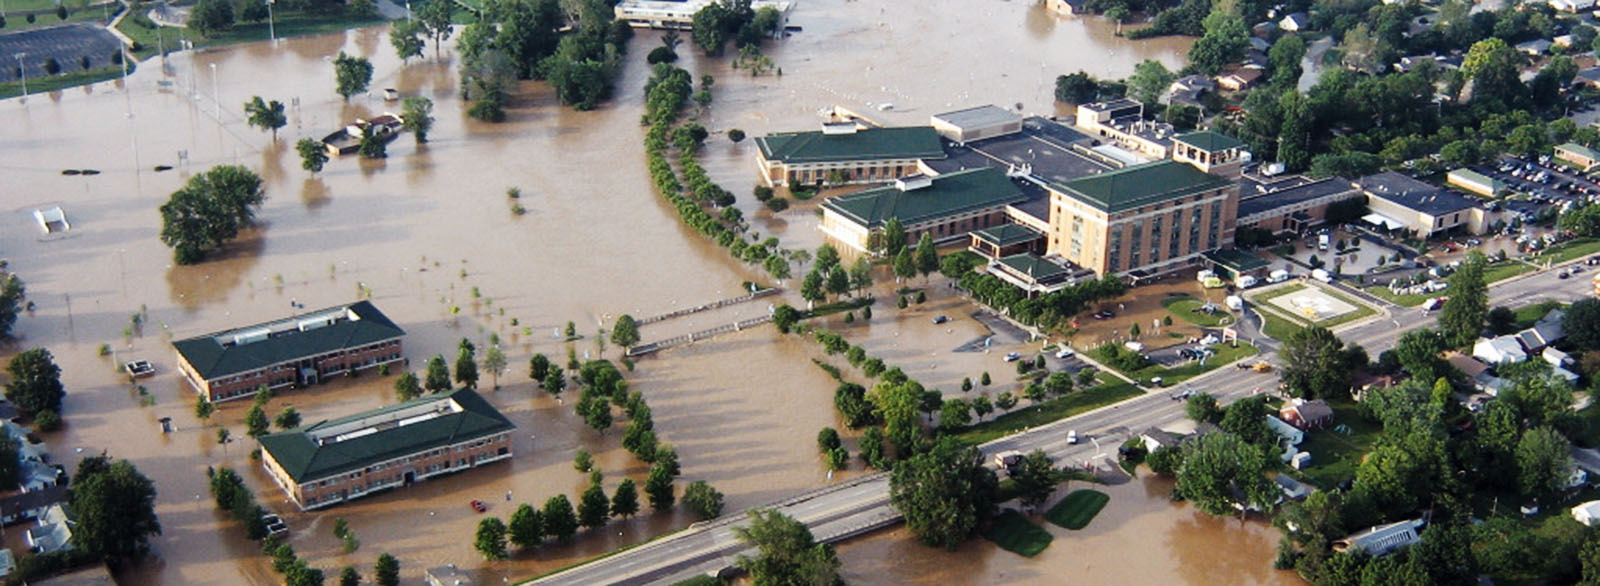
(1383, 221)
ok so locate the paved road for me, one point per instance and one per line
(862, 504)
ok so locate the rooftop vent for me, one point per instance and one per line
(913, 182)
(831, 128)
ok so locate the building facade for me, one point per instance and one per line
(946, 207)
(297, 351)
(844, 153)
(1423, 209)
(1152, 218)
(342, 459)
(1122, 122)
(1294, 208)
(680, 15)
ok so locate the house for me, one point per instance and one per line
(1499, 349)
(1240, 79)
(1285, 431)
(95, 575)
(1555, 357)
(1589, 77)
(21, 506)
(296, 351)
(8, 563)
(1155, 439)
(1535, 48)
(346, 458)
(1295, 22)
(1065, 7)
(1381, 539)
(1573, 6)
(1410, 62)
(1587, 513)
(1307, 415)
(1260, 44)
(1564, 374)
(54, 531)
(1580, 156)
(448, 575)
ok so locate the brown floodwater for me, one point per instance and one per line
(430, 234)
(1141, 537)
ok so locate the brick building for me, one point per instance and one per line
(947, 207)
(341, 459)
(297, 351)
(844, 153)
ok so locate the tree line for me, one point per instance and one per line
(520, 39)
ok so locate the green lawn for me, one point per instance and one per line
(1569, 250)
(1289, 323)
(150, 37)
(1501, 271)
(1110, 390)
(16, 22)
(1335, 455)
(1404, 300)
(1188, 309)
(1078, 509)
(1015, 533)
(1527, 315)
(1277, 327)
(1225, 354)
(39, 85)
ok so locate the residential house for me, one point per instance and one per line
(20, 506)
(1573, 6)
(1381, 539)
(1474, 371)
(1555, 357)
(54, 531)
(1240, 79)
(1155, 439)
(1535, 48)
(1587, 513)
(1295, 22)
(8, 563)
(1307, 415)
(1065, 7)
(1292, 489)
(1589, 77)
(1260, 44)
(1186, 90)
(96, 575)
(1286, 432)
(1499, 349)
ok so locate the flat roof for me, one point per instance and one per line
(1413, 194)
(1210, 141)
(1294, 195)
(1236, 259)
(353, 442)
(310, 334)
(979, 116)
(1475, 177)
(1034, 266)
(1140, 185)
(949, 194)
(1044, 146)
(905, 142)
(1007, 234)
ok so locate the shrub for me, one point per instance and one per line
(661, 55)
(777, 204)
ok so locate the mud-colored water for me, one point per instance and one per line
(1140, 538)
(424, 228)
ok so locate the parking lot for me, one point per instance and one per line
(67, 44)
(1542, 180)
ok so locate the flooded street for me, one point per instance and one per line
(430, 234)
(1140, 538)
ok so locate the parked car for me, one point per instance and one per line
(478, 506)
(1065, 353)
(1013, 357)
(1104, 314)
(1562, 275)
(941, 319)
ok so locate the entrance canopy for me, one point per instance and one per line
(1383, 221)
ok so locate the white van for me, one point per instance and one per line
(1245, 281)
(1322, 275)
(1278, 276)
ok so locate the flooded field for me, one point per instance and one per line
(1140, 538)
(430, 234)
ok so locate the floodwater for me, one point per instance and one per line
(1141, 537)
(429, 233)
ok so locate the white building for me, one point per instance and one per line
(1381, 539)
(1499, 349)
(1572, 5)
(680, 15)
(1587, 513)
(1288, 432)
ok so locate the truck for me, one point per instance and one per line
(1245, 281)
(1322, 275)
(1278, 276)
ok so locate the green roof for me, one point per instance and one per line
(1007, 234)
(908, 142)
(1032, 265)
(950, 194)
(304, 459)
(1210, 141)
(220, 354)
(1236, 260)
(1140, 185)
(1580, 150)
(1476, 177)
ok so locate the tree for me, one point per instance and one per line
(703, 500)
(626, 331)
(417, 116)
(593, 507)
(209, 210)
(255, 421)
(955, 413)
(943, 492)
(982, 407)
(538, 368)
(828, 439)
(625, 502)
(785, 317)
(12, 292)
(526, 528)
(1077, 88)
(435, 17)
(223, 435)
(406, 387)
(115, 509)
(1544, 460)
(658, 487)
(351, 75)
(313, 154)
(555, 381)
(1202, 407)
(1501, 320)
(1312, 361)
(1223, 44)
(926, 256)
(1462, 318)
(894, 237)
(1418, 351)
(1037, 478)
(494, 361)
(1150, 78)
(1216, 465)
(560, 521)
(10, 464)
(35, 381)
(387, 571)
(1284, 59)
(491, 539)
(786, 552)
(596, 412)
(265, 115)
(437, 379)
(904, 266)
(349, 576)
(860, 274)
(288, 418)
(838, 281)
(406, 38)
(209, 17)
(1247, 419)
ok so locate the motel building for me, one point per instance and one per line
(297, 351)
(391, 447)
(947, 207)
(844, 153)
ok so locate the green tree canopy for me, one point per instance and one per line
(625, 332)
(526, 528)
(1216, 466)
(787, 554)
(437, 379)
(351, 75)
(1462, 319)
(265, 115)
(114, 506)
(491, 539)
(35, 384)
(560, 521)
(209, 210)
(943, 492)
(1313, 365)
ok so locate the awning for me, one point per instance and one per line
(1382, 220)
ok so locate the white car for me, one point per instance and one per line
(1065, 353)
(1072, 436)
(1013, 357)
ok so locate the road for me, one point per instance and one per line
(862, 504)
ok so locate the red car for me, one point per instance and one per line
(478, 506)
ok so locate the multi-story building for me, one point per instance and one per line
(680, 14)
(1291, 205)
(946, 207)
(1122, 121)
(296, 351)
(1151, 218)
(1400, 202)
(341, 459)
(845, 153)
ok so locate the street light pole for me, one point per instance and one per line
(23, 71)
(272, 32)
(215, 96)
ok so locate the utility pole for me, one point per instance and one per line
(23, 71)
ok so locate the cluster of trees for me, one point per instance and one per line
(1048, 311)
(114, 506)
(35, 385)
(786, 552)
(431, 19)
(1318, 365)
(528, 527)
(718, 22)
(211, 17)
(517, 39)
(235, 498)
(829, 276)
(209, 210)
